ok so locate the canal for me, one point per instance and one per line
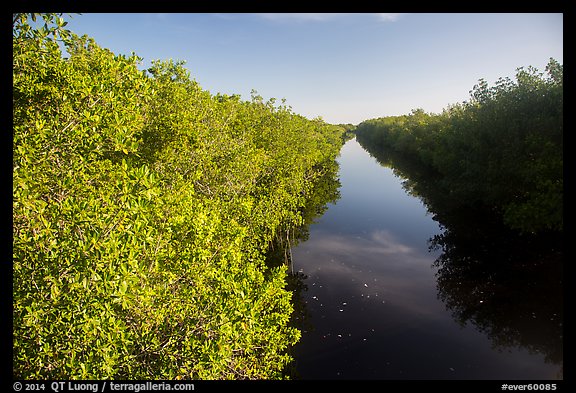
(374, 307)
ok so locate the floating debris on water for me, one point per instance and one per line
(366, 285)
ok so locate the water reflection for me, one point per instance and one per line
(509, 289)
(326, 191)
(508, 286)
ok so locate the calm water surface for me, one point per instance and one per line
(372, 297)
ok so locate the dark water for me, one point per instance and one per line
(379, 308)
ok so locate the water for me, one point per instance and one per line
(372, 299)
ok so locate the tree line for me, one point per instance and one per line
(500, 152)
(143, 211)
(490, 171)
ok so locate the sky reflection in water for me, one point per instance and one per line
(372, 293)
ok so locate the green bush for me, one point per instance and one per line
(502, 149)
(143, 207)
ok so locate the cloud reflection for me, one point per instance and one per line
(388, 244)
(364, 247)
(375, 267)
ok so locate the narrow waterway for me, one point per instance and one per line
(372, 304)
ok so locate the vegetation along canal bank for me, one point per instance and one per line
(164, 232)
(489, 172)
(143, 210)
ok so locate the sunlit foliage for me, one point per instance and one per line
(143, 207)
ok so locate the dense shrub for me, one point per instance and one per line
(143, 207)
(502, 149)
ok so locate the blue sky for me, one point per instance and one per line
(345, 68)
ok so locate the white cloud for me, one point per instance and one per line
(317, 17)
(388, 17)
(225, 16)
(322, 17)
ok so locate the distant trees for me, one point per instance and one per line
(143, 208)
(502, 149)
(490, 173)
(348, 131)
